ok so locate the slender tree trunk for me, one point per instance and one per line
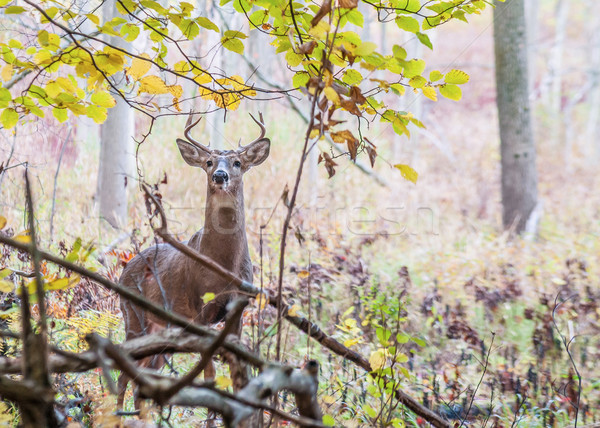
(517, 146)
(116, 151)
(593, 149)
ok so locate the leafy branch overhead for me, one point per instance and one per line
(52, 65)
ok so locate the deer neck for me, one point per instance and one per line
(224, 234)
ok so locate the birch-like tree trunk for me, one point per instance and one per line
(517, 146)
(117, 158)
(593, 149)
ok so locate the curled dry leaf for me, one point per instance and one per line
(323, 11)
(329, 163)
(307, 48)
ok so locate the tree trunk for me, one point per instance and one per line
(116, 169)
(517, 146)
(593, 149)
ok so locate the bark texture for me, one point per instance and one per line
(517, 146)
(116, 150)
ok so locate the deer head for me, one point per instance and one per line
(224, 168)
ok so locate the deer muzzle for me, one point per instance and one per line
(220, 177)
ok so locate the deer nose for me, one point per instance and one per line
(220, 176)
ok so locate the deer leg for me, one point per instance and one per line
(122, 387)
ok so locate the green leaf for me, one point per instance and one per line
(424, 39)
(366, 48)
(419, 342)
(232, 34)
(293, 59)
(103, 99)
(14, 10)
(189, 29)
(456, 77)
(399, 52)
(98, 114)
(234, 45)
(352, 77)
(408, 23)
(413, 68)
(417, 82)
(9, 118)
(130, 32)
(371, 412)
(407, 172)
(60, 114)
(207, 23)
(410, 6)
(435, 75)
(300, 79)
(355, 17)
(328, 420)
(452, 92)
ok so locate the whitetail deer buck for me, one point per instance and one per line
(168, 277)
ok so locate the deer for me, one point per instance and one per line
(168, 277)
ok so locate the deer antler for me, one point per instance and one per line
(188, 127)
(263, 131)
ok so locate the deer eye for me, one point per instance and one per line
(208, 163)
(237, 164)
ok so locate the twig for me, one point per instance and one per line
(485, 367)
(567, 348)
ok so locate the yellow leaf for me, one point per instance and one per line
(456, 77)
(7, 72)
(63, 283)
(2, 222)
(175, 90)
(23, 237)
(6, 286)
(207, 297)
(303, 274)
(332, 95)
(203, 78)
(262, 300)
(430, 93)
(103, 99)
(377, 359)
(139, 67)
(5, 272)
(407, 172)
(293, 311)
(153, 85)
(351, 342)
(223, 382)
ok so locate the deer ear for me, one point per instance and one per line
(256, 153)
(193, 155)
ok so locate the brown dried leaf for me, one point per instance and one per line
(351, 106)
(329, 163)
(307, 48)
(323, 11)
(372, 155)
(357, 96)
